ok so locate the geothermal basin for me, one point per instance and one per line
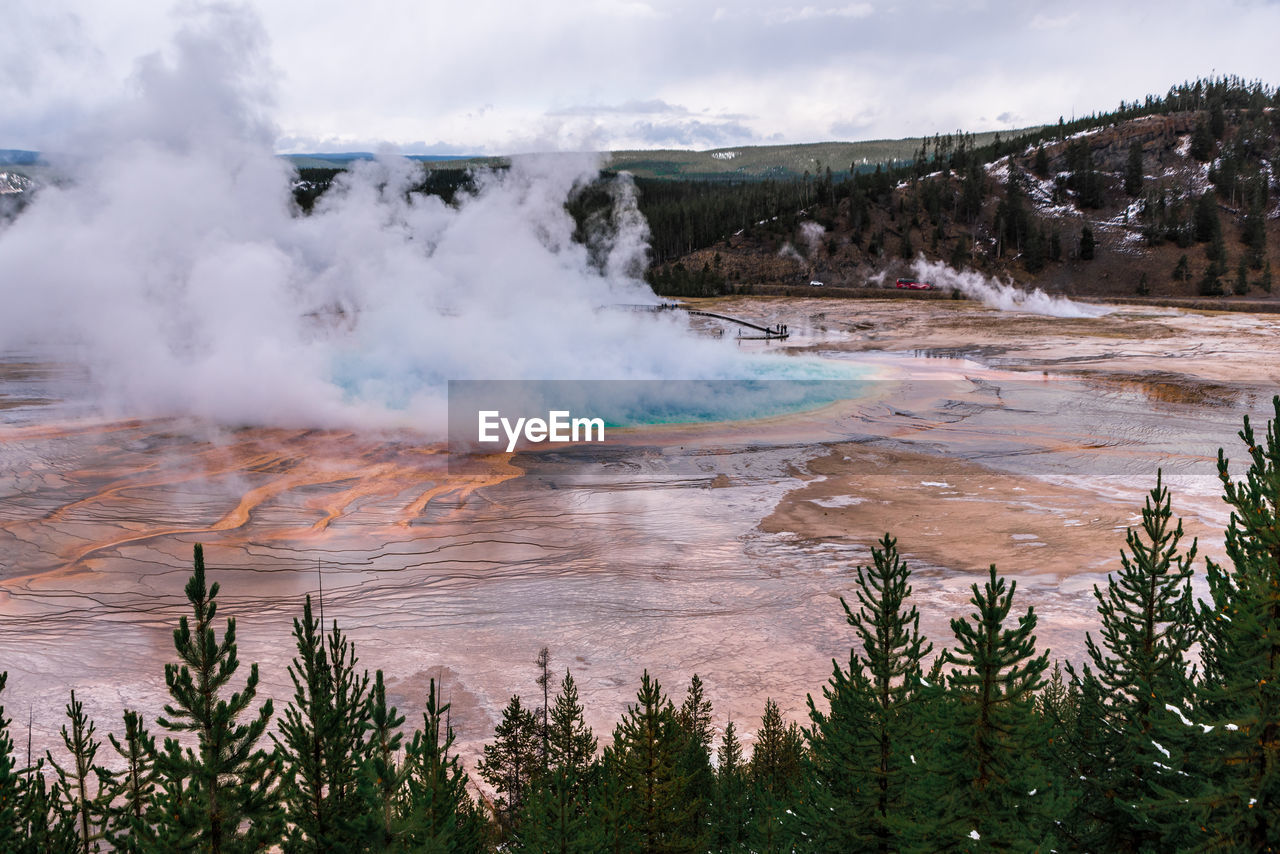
(715, 548)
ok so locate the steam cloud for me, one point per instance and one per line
(812, 233)
(171, 263)
(1003, 296)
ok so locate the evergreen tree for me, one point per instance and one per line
(543, 663)
(1087, 244)
(1253, 232)
(1206, 225)
(1217, 119)
(1202, 141)
(229, 801)
(555, 816)
(10, 783)
(611, 826)
(1041, 166)
(384, 776)
(135, 786)
(1181, 270)
(1133, 171)
(510, 762)
(84, 801)
(1141, 665)
(1143, 289)
(44, 826)
(860, 748)
(656, 802)
(694, 720)
(1237, 760)
(695, 714)
(1241, 286)
(775, 772)
(731, 816)
(323, 742)
(438, 814)
(1210, 283)
(571, 743)
(989, 765)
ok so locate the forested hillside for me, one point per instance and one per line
(1173, 196)
(1166, 738)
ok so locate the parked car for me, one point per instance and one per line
(815, 284)
(913, 285)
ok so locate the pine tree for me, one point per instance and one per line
(384, 776)
(1241, 285)
(1202, 142)
(1206, 224)
(906, 250)
(694, 719)
(695, 714)
(1237, 761)
(861, 747)
(10, 783)
(989, 765)
(555, 815)
(611, 827)
(1141, 665)
(1133, 171)
(1088, 246)
(83, 801)
(647, 748)
(1181, 270)
(731, 816)
(1041, 166)
(510, 762)
(1217, 119)
(229, 802)
(135, 786)
(44, 825)
(544, 680)
(775, 772)
(571, 743)
(322, 740)
(438, 815)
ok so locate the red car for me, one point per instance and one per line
(913, 285)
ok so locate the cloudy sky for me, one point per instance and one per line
(494, 76)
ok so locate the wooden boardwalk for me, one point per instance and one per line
(777, 332)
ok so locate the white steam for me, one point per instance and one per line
(789, 252)
(172, 264)
(1003, 296)
(812, 233)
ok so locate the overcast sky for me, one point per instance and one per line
(494, 76)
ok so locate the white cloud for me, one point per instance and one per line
(1044, 21)
(486, 75)
(810, 13)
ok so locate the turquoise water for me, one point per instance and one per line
(770, 386)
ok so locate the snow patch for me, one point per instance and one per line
(838, 501)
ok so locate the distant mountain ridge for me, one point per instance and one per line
(18, 157)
